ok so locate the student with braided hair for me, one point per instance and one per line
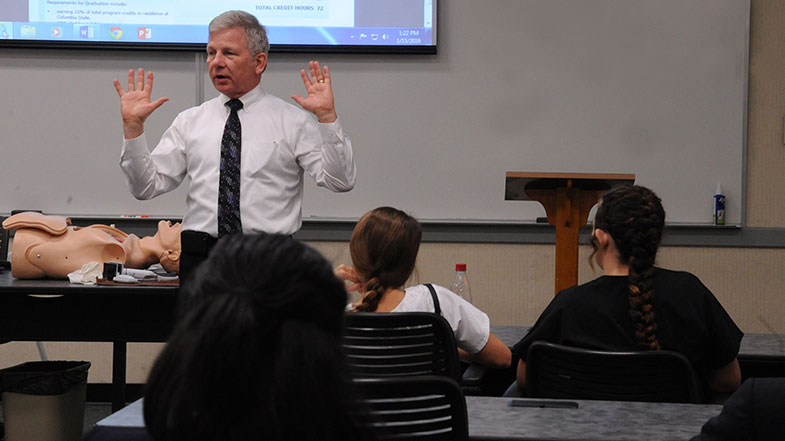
(384, 248)
(636, 305)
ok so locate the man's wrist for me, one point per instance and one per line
(131, 131)
(327, 117)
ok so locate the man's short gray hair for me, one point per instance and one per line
(255, 33)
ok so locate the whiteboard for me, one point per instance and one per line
(653, 88)
(61, 131)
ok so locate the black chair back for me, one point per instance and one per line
(427, 407)
(557, 371)
(400, 344)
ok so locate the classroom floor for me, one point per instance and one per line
(94, 412)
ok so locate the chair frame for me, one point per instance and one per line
(558, 371)
(400, 344)
(425, 407)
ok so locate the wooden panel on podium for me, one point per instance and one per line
(567, 198)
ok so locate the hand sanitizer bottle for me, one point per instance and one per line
(719, 206)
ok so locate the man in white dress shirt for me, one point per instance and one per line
(278, 142)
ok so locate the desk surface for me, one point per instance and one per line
(752, 345)
(492, 417)
(10, 285)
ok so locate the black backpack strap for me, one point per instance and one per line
(437, 308)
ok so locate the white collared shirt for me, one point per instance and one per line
(279, 142)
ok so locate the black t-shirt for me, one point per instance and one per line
(595, 315)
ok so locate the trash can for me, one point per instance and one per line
(44, 400)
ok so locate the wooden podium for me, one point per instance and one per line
(567, 198)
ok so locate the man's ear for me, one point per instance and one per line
(260, 63)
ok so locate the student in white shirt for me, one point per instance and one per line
(384, 248)
(278, 141)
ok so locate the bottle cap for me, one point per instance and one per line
(719, 189)
(460, 267)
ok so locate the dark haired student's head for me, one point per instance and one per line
(256, 352)
(634, 217)
(627, 232)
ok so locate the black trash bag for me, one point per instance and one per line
(44, 377)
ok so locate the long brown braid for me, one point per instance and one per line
(634, 218)
(383, 249)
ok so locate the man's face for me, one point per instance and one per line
(232, 69)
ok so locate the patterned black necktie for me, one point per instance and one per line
(229, 181)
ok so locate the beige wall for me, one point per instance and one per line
(513, 283)
(766, 109)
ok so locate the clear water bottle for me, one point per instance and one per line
(460, 285)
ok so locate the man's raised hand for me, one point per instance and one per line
(320, 100)
(135, 104)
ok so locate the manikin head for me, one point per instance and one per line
(169, 236)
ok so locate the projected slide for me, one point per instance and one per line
(271, 13)
(289, 22)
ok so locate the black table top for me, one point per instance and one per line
(9, 284)
(494, 418)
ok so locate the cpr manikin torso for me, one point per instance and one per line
(47, 246)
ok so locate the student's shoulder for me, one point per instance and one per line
(416, 291)
(682, 288)
(599, 285)
(417, 298)
(674, 276)
(439, 288)
(422, 292)
(444, 293)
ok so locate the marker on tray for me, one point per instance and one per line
(135, 216)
